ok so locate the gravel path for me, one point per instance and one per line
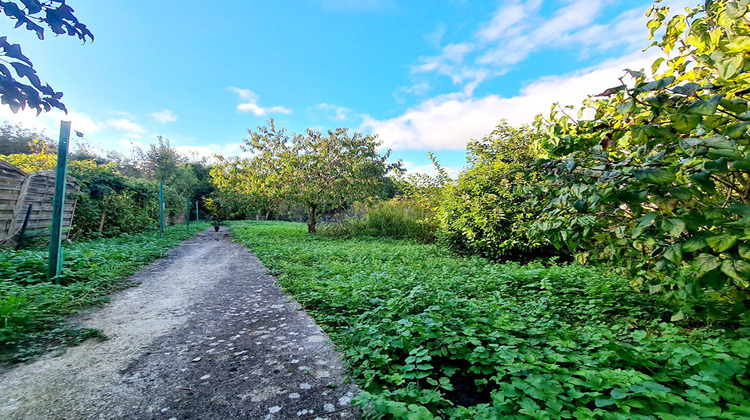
(207, 335)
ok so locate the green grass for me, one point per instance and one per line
(32, 310)
(427, 333)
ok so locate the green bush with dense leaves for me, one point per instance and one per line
(431, 335)
(32, 308)
(488, 210)
(657, 184)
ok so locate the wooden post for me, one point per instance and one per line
(161, 209)
(54, 264)
(187, 214)
(23, 227)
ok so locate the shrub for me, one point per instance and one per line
(487, 212)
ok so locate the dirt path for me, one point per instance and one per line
(208, 335)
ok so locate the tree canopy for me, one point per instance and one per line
(317, 171)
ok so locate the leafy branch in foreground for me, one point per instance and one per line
(32, 14)
(657, 184)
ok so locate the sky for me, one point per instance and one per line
(422, 75)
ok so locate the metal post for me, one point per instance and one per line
(161, 209)
(187, 214)
(54, 264)
(196, 211)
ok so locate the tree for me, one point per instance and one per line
(657, 184)
(160, 162)
(319, 172)
(59, 17)
(15, 139)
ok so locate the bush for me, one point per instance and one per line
(656, 185)
(488, 211)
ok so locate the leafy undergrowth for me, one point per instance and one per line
(32, 309)
(430, 335)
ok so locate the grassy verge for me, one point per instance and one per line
(32, 310)
(430, 334)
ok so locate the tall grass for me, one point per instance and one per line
(396, 218)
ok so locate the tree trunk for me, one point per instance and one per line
(311, 221)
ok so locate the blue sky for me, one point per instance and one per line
(423, 75)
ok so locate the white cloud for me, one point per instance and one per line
(164, 117)
(49, 122)
(448, 122)
(335, 112)
(508, 20)
(132, 129)
(429, 169)
(208, 151)
(518, 28)
(250, 104)
(436, 38)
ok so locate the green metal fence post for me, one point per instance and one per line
(187, 214)
(196, 211)
(54, 263)
(161, 209)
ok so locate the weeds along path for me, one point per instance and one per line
(206, 335)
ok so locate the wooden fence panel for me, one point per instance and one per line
(37, 189)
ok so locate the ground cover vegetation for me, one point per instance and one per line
(428, 335)
(32, 308)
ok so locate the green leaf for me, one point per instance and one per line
(604, 402)
(673, 226)
(654, 176)
(619, 393)
(626, 108)
(740, 209)
(708, 107)
(694, 244)
(704, 263)
(738, 270)
(646, 220)
(688, 89)
(673, 253)
(717, 166)
(736, 10)
(744, 251)
(734, 105)
(720, 243)
(728, 67)
(684, 123)
(736, 131)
